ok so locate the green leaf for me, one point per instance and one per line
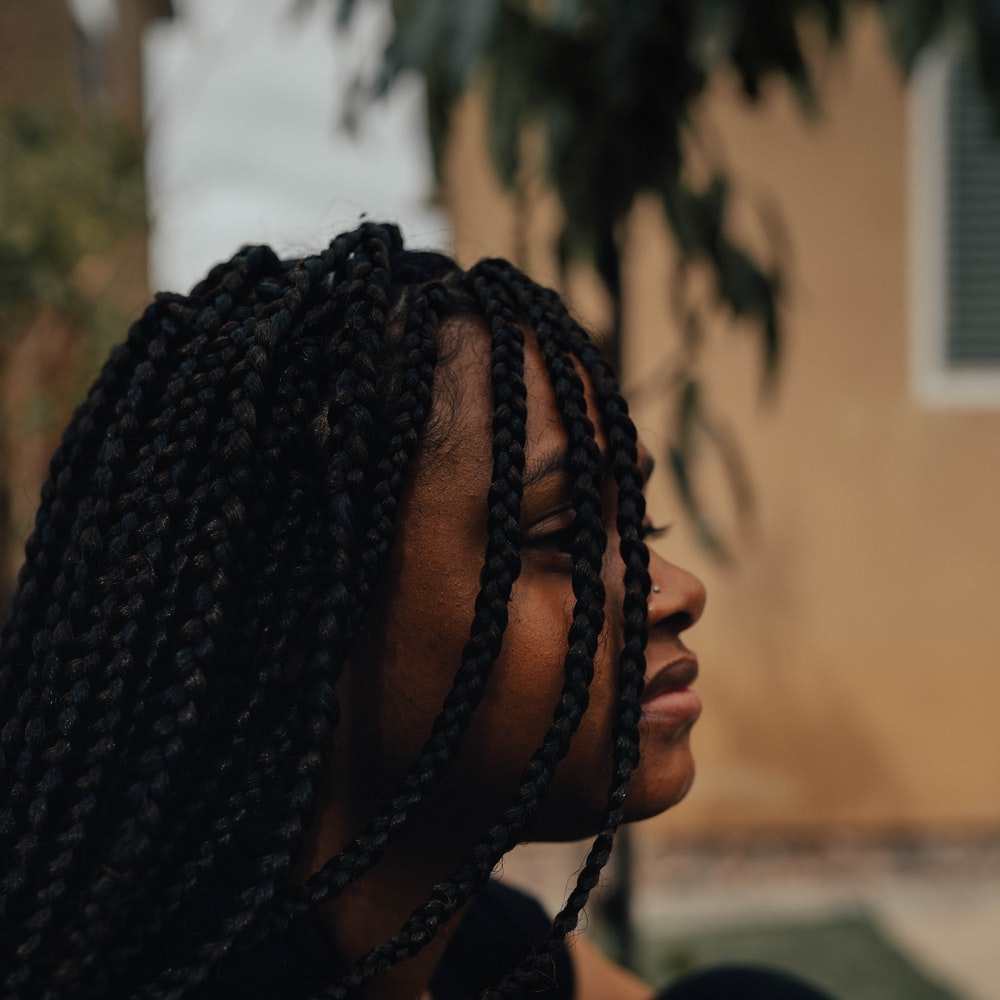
(614, 85)
(68, 189)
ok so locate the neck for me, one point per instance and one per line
(374, 908)
(369, 913)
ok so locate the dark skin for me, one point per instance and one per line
(401, 671)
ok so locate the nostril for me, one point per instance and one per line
(677, 622)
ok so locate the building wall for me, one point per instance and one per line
(850, 651)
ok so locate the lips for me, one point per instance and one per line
(667, 695)
(675, 676)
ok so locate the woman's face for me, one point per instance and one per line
(404, 663)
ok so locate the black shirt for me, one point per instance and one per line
(498, 930)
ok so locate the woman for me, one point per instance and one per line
(338, 590)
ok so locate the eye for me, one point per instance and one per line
(559, 541)
(551, 538)
(650, 532)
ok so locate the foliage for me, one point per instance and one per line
(612, 87)
(613, 84)
(69, 189)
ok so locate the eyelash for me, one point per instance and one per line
(558, 541)
(651, 532)
(562, 540)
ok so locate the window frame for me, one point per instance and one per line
(936, 382)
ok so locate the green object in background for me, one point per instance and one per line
(70, 188)
(848, 955)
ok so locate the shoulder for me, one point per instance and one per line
(500, 928)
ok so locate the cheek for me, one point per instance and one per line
(523, 690)
(398, 679)
(403, 681)
(530, 678)
(529, 671)
(519, 704)
(416, 674)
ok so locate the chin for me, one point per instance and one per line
(660, 781)
(663, 777)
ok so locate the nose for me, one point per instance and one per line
(676, 597)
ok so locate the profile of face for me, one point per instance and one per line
(405, 662)
(253, 478)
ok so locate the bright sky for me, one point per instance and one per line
(244, 102)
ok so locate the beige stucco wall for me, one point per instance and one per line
(851, 654)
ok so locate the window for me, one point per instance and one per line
(955, 235)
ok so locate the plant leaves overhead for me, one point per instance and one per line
(612, 88)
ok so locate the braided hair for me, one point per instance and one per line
(213, 525)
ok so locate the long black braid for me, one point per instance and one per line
(213, 526)
(561, 337)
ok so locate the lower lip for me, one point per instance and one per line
(676, 707)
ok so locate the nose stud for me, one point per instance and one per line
(656, 588)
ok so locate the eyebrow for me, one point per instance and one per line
(556, 463)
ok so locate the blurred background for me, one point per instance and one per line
(785, 220)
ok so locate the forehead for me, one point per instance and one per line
(462, 411)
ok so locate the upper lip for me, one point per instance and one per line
(676, 675)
